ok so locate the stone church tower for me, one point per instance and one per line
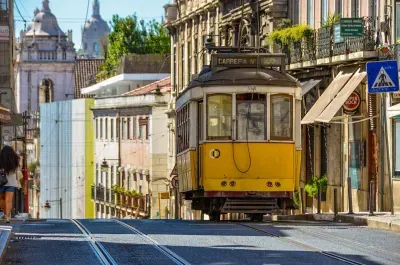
(93, 31)
(45, 60)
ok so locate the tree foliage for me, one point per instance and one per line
(132, 36)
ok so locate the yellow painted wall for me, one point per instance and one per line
(89, 157)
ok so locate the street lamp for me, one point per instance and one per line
(47, 206)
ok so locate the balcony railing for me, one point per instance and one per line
(322, 44)
(100, 193)
(93, 193)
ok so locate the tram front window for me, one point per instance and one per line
(219, 120)
(251, 117)
(281, 117)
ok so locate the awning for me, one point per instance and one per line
(5, 116)
(393, 111)
(329, 94)
(306, 86)
(333, 107)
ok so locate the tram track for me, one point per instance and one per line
(313, 249)
(164, 250)
(101, 253)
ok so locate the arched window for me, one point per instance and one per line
(46, 91)
(96, 47)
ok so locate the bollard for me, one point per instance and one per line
(371, 198)
(335, 209)
(319, 200)
(350, 195)
(303, 210)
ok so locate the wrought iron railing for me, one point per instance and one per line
(93, 193)
(322, 44)
(108, 195)
(100, 193)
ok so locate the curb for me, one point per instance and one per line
(5, 236)
(390, 225)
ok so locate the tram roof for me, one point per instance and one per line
(242, 76)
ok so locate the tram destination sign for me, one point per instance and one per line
(248, 60)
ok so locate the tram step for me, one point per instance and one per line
(249, 206)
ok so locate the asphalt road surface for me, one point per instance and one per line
(159, 242)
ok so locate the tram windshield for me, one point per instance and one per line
(251, 117)
(281, 117)
(219, 111)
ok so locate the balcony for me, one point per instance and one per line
(100, 194)
(324, 48)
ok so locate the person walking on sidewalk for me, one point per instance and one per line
(9, 162)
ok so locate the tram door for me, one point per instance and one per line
(200, 138)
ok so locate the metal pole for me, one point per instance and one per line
(61, 217)
(303, 210)
(159, 204)
(335, 209)
(350, 195)
(382, 156)
(388, 159)
(176, 204)
(371, 198)
(319, 200)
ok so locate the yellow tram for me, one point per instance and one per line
(239, 136)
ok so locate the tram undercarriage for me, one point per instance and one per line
(253, 206)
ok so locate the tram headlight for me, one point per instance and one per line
(269, 184)
(232, 183)
(278, 184)
(223, 183)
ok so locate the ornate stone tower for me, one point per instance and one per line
(92, 33)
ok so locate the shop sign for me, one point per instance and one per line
(337, 37)
(351, 27)
(352, 103)
(4, 33)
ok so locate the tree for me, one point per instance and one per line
(131, 36)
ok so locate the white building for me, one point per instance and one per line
(131, 138)
(44, 63)
(44, 68)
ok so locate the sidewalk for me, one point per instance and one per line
(382, 220)
(5, 235)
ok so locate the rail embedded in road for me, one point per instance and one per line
(167, 252)
(99, 250)
(313, 249)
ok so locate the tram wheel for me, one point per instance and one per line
(215, 216)
(257, 217)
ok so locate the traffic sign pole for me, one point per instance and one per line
(383, 78)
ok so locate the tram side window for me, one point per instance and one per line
(219, 117)
(183, 126)
(251, 114)
(281, 117)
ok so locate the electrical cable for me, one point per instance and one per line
(247, 140)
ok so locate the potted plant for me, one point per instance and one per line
(315, 182)
(384, 49)
(122, 196)
(296, 197)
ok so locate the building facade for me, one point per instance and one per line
(131, 140)
(66, 159)
(345, 146)
(94, 34)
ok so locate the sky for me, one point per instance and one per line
(71, 13)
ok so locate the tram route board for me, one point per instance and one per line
(247, 60)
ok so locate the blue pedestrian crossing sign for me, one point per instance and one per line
(383, 77)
